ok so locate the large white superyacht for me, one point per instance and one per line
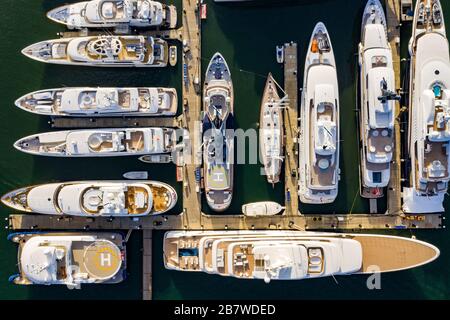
(94, 198)
(319, 123)
(69, 258)
(218, 134)
(429, 111)
(115, 13)
(101, 102)
(291, 255)
(271, 131)
(102, 51)
(100, 142)
(377, 104)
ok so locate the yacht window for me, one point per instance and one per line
(379, 61)
(376, 176)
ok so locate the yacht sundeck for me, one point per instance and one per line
(101, 102)
(115, 13)
(218, 134)
(99, 142)
(291, 255)
(102, 51)
(271, 131)
(128, 198)
(319, 123)
(69, 258)
(377, 105)
(429, 111)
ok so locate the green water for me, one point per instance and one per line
(246, 35)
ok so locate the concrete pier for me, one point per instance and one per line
(147, 265)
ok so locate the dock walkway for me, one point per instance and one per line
(291, 129)
(394, 192)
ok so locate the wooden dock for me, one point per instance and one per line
(183, 221)
(115, 122)
(192, 100)
(394, 192)
(291, 129)
(147, 265)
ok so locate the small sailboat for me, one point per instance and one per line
(122, 198)
(319, 125)
(101, 51)
(115, 13)
(100, 142)
(69, 258)
(136, 175)
(264, 208)
(271, 131)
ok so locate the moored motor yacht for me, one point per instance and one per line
(128, 198)
(319, 123)
(271, 131)
(218, 134)
(377, 104)
(291, 255)
(102, 51)
(429, 111)
(100, 142)
(263, 208)
(69, 258)
(101, 102)
(115, 13)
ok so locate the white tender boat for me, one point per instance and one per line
(115, 13)
(429, 111)
(319, 123)
(101, 102)
(156, 158)
(136, 175)
(377, 105)
(291, 255)
(218, 134)
(94, 198)
(102, 51)
(99, 142)
(271, 131)
(69, 258)
(263, 208)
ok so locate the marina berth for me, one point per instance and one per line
(115, 13)
(291, 255)
(429, 111)
(69, 258)
(100, 142)
(319, 123)
(218, 134)
(102, 51)
(128, 198)
(377, 91)
(271, 131)
(101, 102)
